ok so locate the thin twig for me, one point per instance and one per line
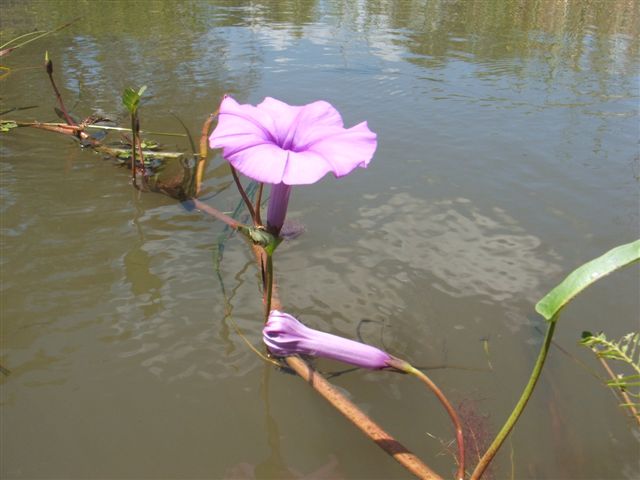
(244, 195)
(6, 51)
(214, 212)
(49, 69)
(625, 396)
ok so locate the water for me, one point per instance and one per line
(507, 157)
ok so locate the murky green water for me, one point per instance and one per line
(507, 156)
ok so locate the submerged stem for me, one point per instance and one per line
(452, 414)
(519, 408)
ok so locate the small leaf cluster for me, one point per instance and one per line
(625, 350)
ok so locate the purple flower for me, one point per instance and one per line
(287, 145)
(285, 335)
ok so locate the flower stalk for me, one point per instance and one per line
(453, 415)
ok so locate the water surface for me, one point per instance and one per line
(507, 157)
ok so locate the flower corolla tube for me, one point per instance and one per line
(287, 145)
(285, 335)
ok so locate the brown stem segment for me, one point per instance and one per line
(214, 212)
(452, 414)
(202, 157)
(623, 394)
(371, 429)
(49, 68)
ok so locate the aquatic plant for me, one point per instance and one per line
(131, 100)
(286, 145)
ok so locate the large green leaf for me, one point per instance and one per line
(585, 275)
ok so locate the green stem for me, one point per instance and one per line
(269, 288)
(519, 408)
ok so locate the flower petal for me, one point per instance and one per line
(240, 127)
(311, 118)
(303, 168)
(279, 143)
(346, 149)
(282, 115)
(285, 335)
(263, 163)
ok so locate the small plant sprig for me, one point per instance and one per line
(625, 351)
(131, 100)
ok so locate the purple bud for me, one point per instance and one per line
(278, 202)
(285, 335)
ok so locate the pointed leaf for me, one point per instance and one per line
(584, 276)
(131, 98)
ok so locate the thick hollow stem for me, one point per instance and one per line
(202, 157)
(519, 408)
(452, 414)
(371, 429)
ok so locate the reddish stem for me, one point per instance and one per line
(67, 117)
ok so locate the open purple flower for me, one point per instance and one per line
(285, 335)
(287, 145)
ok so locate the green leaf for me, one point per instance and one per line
(131, 98)
(584, 276)
(5, 126)
(625, 350)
